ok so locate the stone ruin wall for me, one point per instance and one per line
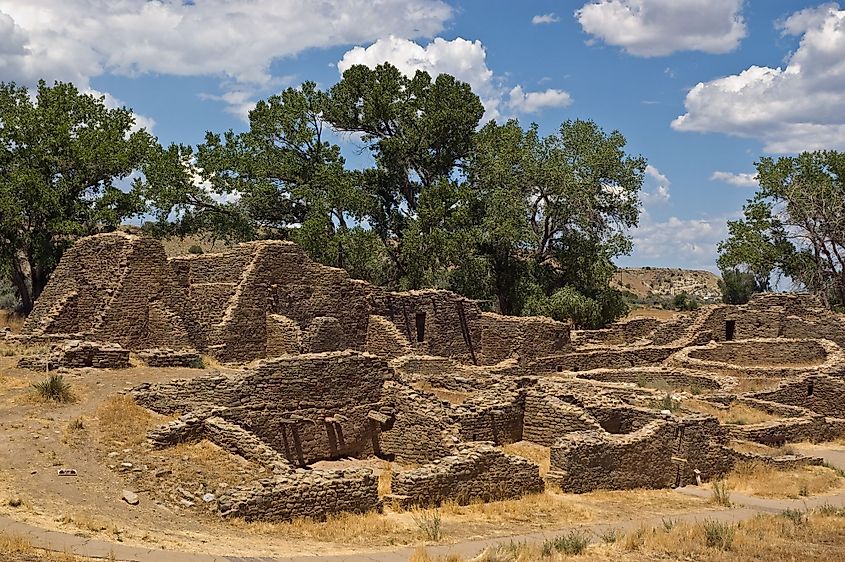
(662, 454)
(262, 299)
(477, 472)
(308, 407)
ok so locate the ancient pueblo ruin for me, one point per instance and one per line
(330, 368)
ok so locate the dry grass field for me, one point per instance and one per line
(791, 536)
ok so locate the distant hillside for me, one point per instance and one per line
(666, 282)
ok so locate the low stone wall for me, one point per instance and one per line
(789, 430)
(652, 376)
(665, 453)
(769, 357)
(76, 354)
(476, 472)
(494, 416)
(608, 358)
(422, 429)
(314, 495)
(170, 358)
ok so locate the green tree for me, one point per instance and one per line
(554, 212)
(685, 302)
(794, 225)
(737, 286)
(61, 154)
(419, 131)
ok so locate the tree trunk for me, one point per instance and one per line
(19, 281)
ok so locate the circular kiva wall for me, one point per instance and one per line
(771, 357)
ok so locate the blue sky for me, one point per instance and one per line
(701, 88)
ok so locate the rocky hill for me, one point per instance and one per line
(667, 282)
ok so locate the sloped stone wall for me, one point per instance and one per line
(818, 393)
(547, 419)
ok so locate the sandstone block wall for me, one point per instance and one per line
(547, 419)
(818, 393)
(422, 430)
(662, 454)
(307, 407)
(75, 354)
(523, 337)
(313, 495)
(477, 472)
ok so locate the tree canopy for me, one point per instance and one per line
(523, 223)
(61, 155)
(794, 225)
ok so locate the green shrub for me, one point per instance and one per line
(430, 523)
(795, 515)
(570, 543)
(721, 493)
(54, 388)
(195, 249)
(719, 535)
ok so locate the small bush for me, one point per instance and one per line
(667, 403)
(54, 388)
(76, 425)
(570, 543)
(669, 524)
(719, 535)
(831, 510)
(430, 523)
(195, 249)
(610, 536)
(15, 502)
(721, 493)
(795, 515)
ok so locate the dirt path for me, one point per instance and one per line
(745, 508)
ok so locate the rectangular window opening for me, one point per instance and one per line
(730, 330)
(420, 326)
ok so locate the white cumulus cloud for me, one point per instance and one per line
(742, 179)
(678, 242)
(799, 107)
(532, 102)
(236, 40)
(545, 18)
(657, 186)
(463, 59)
(651, 28)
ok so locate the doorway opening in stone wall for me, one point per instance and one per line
(420, 327)
(730, 330)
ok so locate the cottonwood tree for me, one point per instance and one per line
(794, 225)
(555, 212)
(62, 153)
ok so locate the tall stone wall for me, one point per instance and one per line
(547, 419)
(435, 322)
(113, 288)
(818, 393)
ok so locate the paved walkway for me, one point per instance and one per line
(746, 507)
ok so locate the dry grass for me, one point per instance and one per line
(123, 422)
(646, 312)
(17, 349)
(87, 522)
(760, 449)
(12, 320)
(737, 414)
(758, 479)
(190, 460)
(14, 548)
(537, 454)
(817, 536)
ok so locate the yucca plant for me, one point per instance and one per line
(54, 388)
